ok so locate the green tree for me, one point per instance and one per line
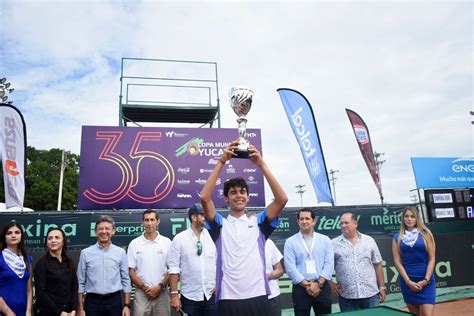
(42, 180)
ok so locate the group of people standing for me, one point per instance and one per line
(219, 265)
(310, 259)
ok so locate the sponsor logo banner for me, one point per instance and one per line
(12, 154)
(137, 168)
(451, 269)
(302, 121)
(361, 133)
(433, 173)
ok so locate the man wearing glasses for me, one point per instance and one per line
(242, 287)
(192, 260)
(147, 256)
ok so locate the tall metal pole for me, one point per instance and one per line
(333, 179)
(300, 191)
(378, 165)
(61, 177)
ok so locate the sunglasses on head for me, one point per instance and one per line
(199, 247)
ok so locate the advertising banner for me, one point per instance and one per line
(138, 168)
(362, 136)
(12, 153)
(443, 172)
(451, 269)
(302, 121)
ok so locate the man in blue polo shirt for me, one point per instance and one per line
(241, 285)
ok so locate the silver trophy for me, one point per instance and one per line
(241, 102)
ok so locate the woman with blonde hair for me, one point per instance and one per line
(413, 249)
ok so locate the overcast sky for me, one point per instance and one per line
(405, 67)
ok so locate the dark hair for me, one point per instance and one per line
(64, 255)
(306, 209)
(105, 218)
(353, 217)
(150, 211)
(21, 245)
(238, 182)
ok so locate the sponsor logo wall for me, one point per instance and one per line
(158, 167)
(452, 268)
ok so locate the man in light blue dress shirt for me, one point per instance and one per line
(102, 274)
(309, 262)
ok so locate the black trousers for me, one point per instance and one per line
(103, 305)
(255, 306)
(302, 301)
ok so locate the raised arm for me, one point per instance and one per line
(206, 193)
(280, 198)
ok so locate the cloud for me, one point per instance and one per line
(405, 67)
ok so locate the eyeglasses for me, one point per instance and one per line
(199, 246)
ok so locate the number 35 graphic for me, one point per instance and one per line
(130, 177)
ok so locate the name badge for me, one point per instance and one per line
(310, 267)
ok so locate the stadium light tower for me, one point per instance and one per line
(300, 191)
(64, 161)
(378, 165)
(332, 178)
(4, 89)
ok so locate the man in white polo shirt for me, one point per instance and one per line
(147, 263)
(242, 287)
(274, 269)
(192, 261)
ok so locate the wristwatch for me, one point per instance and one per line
(126, 305)
(162, 286)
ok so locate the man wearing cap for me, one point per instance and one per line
(147, 256)
(192, 261)
(242, 287)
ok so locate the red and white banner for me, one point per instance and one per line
(362, 136)
(12, 153)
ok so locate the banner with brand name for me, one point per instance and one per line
(446, 172)
(302, 121)
(138, 168)
(12, 153)
(362, 136)
(451, 269)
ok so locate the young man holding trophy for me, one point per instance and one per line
(241, 287)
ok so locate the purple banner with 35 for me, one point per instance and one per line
(150, 167)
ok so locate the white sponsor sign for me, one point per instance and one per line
(444, 212)
(442, 198)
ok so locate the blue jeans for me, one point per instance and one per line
(347, 304)
(199, 308)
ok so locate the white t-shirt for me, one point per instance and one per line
(272, 257)
(240, 244)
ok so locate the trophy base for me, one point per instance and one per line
(241, 153)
